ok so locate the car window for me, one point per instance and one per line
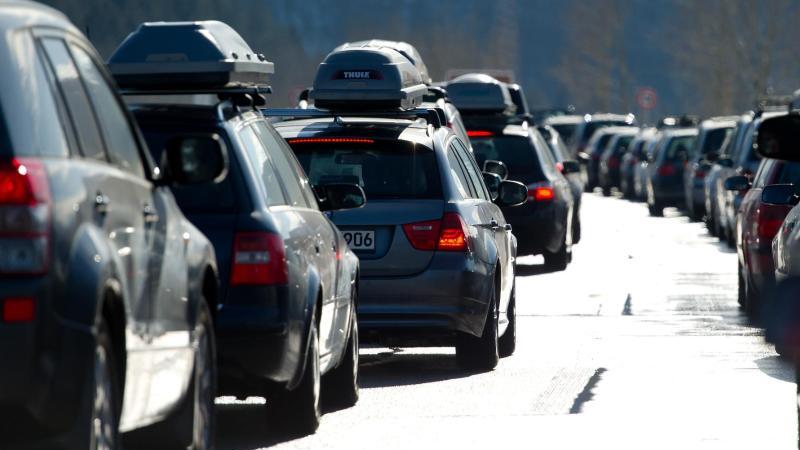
(676, 145)
(260, 161)
(473, 173)
(516, 152)
(566, 130)
(548, 162)
(621, 145)
(289, 172)
(76, 99)
(120, 143)
(789, 173)
(458, 174)
(386, 170)
(764, 173)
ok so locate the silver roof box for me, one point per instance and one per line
(367, 78)
(187, 55)
(404, 48)
(480, 93)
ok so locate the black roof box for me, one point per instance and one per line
(404, 48)
(367, 78)
(186, 55)
(480, 93)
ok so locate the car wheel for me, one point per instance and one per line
(730, 237)
(104, 434)
(576, 228)
(741, 291)
(480, 353)
(655, 210)
(340, 385)
(558, 260)
(752, 301)
(205, 382)
(606, 191)
(298, 410)
(507, 343)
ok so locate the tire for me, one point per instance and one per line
(606, 191)
(507, 343)
(740, 297)
(103, 422)
(655, 210)
(559, 260)
(298, 411)
(752, 302)
(481, 353)
(576, 228)
(340, 385)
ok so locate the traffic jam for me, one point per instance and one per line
(393, 260)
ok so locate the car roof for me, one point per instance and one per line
(564, 120)
(22, 13)
(678, 132)
(605, 117)
(184, 114)
(719, 122)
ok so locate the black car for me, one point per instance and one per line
(665, 169)
(595, 149)
(609, 173)
(108, 293)
(285, 314)
(570, 169)
(437, 255)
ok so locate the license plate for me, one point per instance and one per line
(360, 240)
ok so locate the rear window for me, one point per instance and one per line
(566, 130)
(515, 151)
(676, 145)
(591, 127)
(622, 144)
(714, 139)
(385, 170)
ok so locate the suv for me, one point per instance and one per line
(437, 256)
(665, 169)
(289, 283)
(107, 292)
(712, 133)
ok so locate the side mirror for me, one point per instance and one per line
(569, 167)
(583, 157)
(493, 182)
(512, 193)
(340, 196)
(725, 162)
(779, 138)
(195, 159)
(496, 167)
(779, 194)
(737, 183)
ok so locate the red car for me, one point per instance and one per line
(759, 221)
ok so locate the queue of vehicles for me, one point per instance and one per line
(167, 238)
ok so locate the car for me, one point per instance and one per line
(108, 292)
(640, 172)
(437, 255)
(609, 173)
(593, 122)
(566, 125)
(633, 157)
(594, 151)
(711, 135)
(559, 152)
(665, 169)
(722, 169)
(285, 314)
(760, 216)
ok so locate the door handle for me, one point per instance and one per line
(101, 203)
(491, 225)
(150, 214)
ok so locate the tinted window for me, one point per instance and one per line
(591, 127)
(714, 139)
(385, 169)
(206, 197)
(516, 152)
(601, 143)
(567, 130)
(789, 173)
(77, 102)
(621, 145)
(120, 143)
(457, 173)
(260, 162)
(763, 173)
(473, 173)
(676, 145)
(286, 166)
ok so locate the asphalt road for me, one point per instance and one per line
(638, 344)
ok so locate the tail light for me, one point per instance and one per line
(448, 234)
(18, 310)
(25, 210)
(666, 170)
(700, 173)
(769, 220)
(479, 133)
(613, 162)
(259, 258)
(541, 193)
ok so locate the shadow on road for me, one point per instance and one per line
(525, 270)
(777, 368)
(399, 369)
(246, 427)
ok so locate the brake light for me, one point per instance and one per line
(666, 170)
(259, 258)
(331, 141)
(25, 205)
(18, 310)
(448, 234)
(613, 162)
(769, 220)
(699, 173)
(541, 193)
(479, 133)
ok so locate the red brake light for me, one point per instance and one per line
(331, 141)
(259, 258)
(18, 310)
(666, 170)
(769, 220)
(613, 162)
(541, 193)
(423, 235)
(479, 133)
(699, 173)
(448, 234)
(23, 182)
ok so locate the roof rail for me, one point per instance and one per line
(241, 96)
(434, 116)
(434, 94)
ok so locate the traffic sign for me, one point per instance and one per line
(646, 98)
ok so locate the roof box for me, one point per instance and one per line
(404, 48)
(187, 55)
(367, 78)
(480, 93)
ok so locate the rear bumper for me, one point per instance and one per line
(668, 192)
(44, 382)
(537, 230)
(450, 295)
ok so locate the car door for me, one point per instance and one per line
(321, 238)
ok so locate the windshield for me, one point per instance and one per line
(517, 152)
(385, 170)
(566, 130)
